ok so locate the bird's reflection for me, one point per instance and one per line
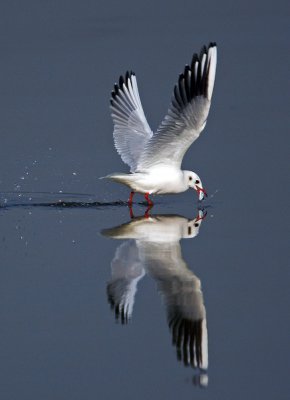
(152, 246)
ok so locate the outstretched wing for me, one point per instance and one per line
(187, 114)
(131, 129)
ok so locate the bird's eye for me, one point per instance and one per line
(196, 225)
(190, 178)
(197, 181)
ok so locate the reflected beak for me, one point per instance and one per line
(201, 215)
(201, 192)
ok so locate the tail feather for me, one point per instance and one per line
(119, 177)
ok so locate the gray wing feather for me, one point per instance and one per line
(187, 115)
(131, 129)
(127, 270)
(182, 294)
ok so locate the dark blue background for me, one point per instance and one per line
(59, 60)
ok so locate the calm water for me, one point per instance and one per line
(95, 304)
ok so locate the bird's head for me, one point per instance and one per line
(193, 181)
(191, 229)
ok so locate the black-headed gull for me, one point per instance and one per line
(153, 247)
(155, 158)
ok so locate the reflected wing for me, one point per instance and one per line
(187, 114)
(131, 129)
(182, 295)
(189, 335)
(126, 272)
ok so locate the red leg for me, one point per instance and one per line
(130, 201)
(147, 215)
(131, 212)
(149, 201)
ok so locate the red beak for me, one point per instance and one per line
(199, 190)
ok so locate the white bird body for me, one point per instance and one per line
(155, 158)
(158, 229)
(157, 180)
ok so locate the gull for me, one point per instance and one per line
(155, 158)
(152, 247)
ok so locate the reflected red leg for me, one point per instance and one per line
(147, 215)
(131, 212)
(149, 201)
(198, 218)
(130, 201)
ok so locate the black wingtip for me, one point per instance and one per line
(203, 51)
(121, 81)
(181, 77)
(119, 86)
(194, 81)
(194, 60)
